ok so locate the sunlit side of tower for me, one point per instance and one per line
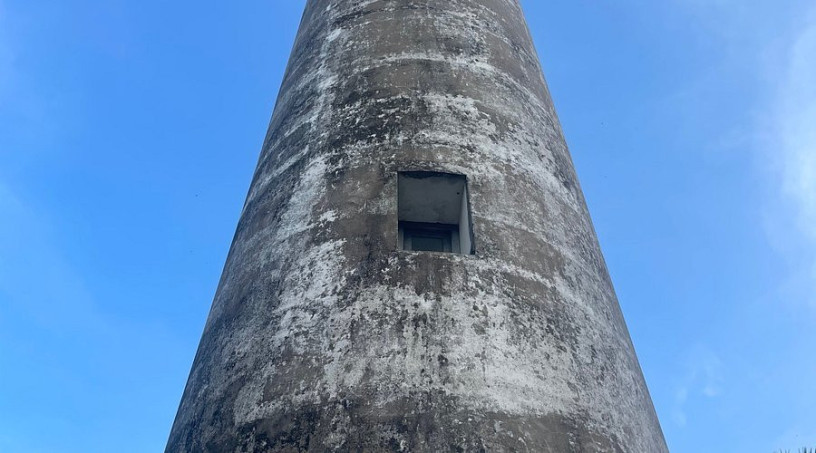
(415, 268)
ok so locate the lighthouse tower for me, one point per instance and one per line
(415, 268)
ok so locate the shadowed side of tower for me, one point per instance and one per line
(329, 332)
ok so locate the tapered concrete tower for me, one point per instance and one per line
(415, 268)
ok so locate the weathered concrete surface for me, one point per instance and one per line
(324, 337)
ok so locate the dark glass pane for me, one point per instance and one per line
(428, 244)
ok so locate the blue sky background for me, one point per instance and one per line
(129, 131)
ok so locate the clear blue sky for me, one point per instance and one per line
(129, 131)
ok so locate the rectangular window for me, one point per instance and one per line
(434, 213)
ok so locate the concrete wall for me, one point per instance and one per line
(324, 337)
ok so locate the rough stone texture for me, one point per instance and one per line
(324, 337)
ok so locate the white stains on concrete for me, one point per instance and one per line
(478, 67)
(307, 193)
(334, 34)
(318, 311)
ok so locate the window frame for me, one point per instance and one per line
(460, 235)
